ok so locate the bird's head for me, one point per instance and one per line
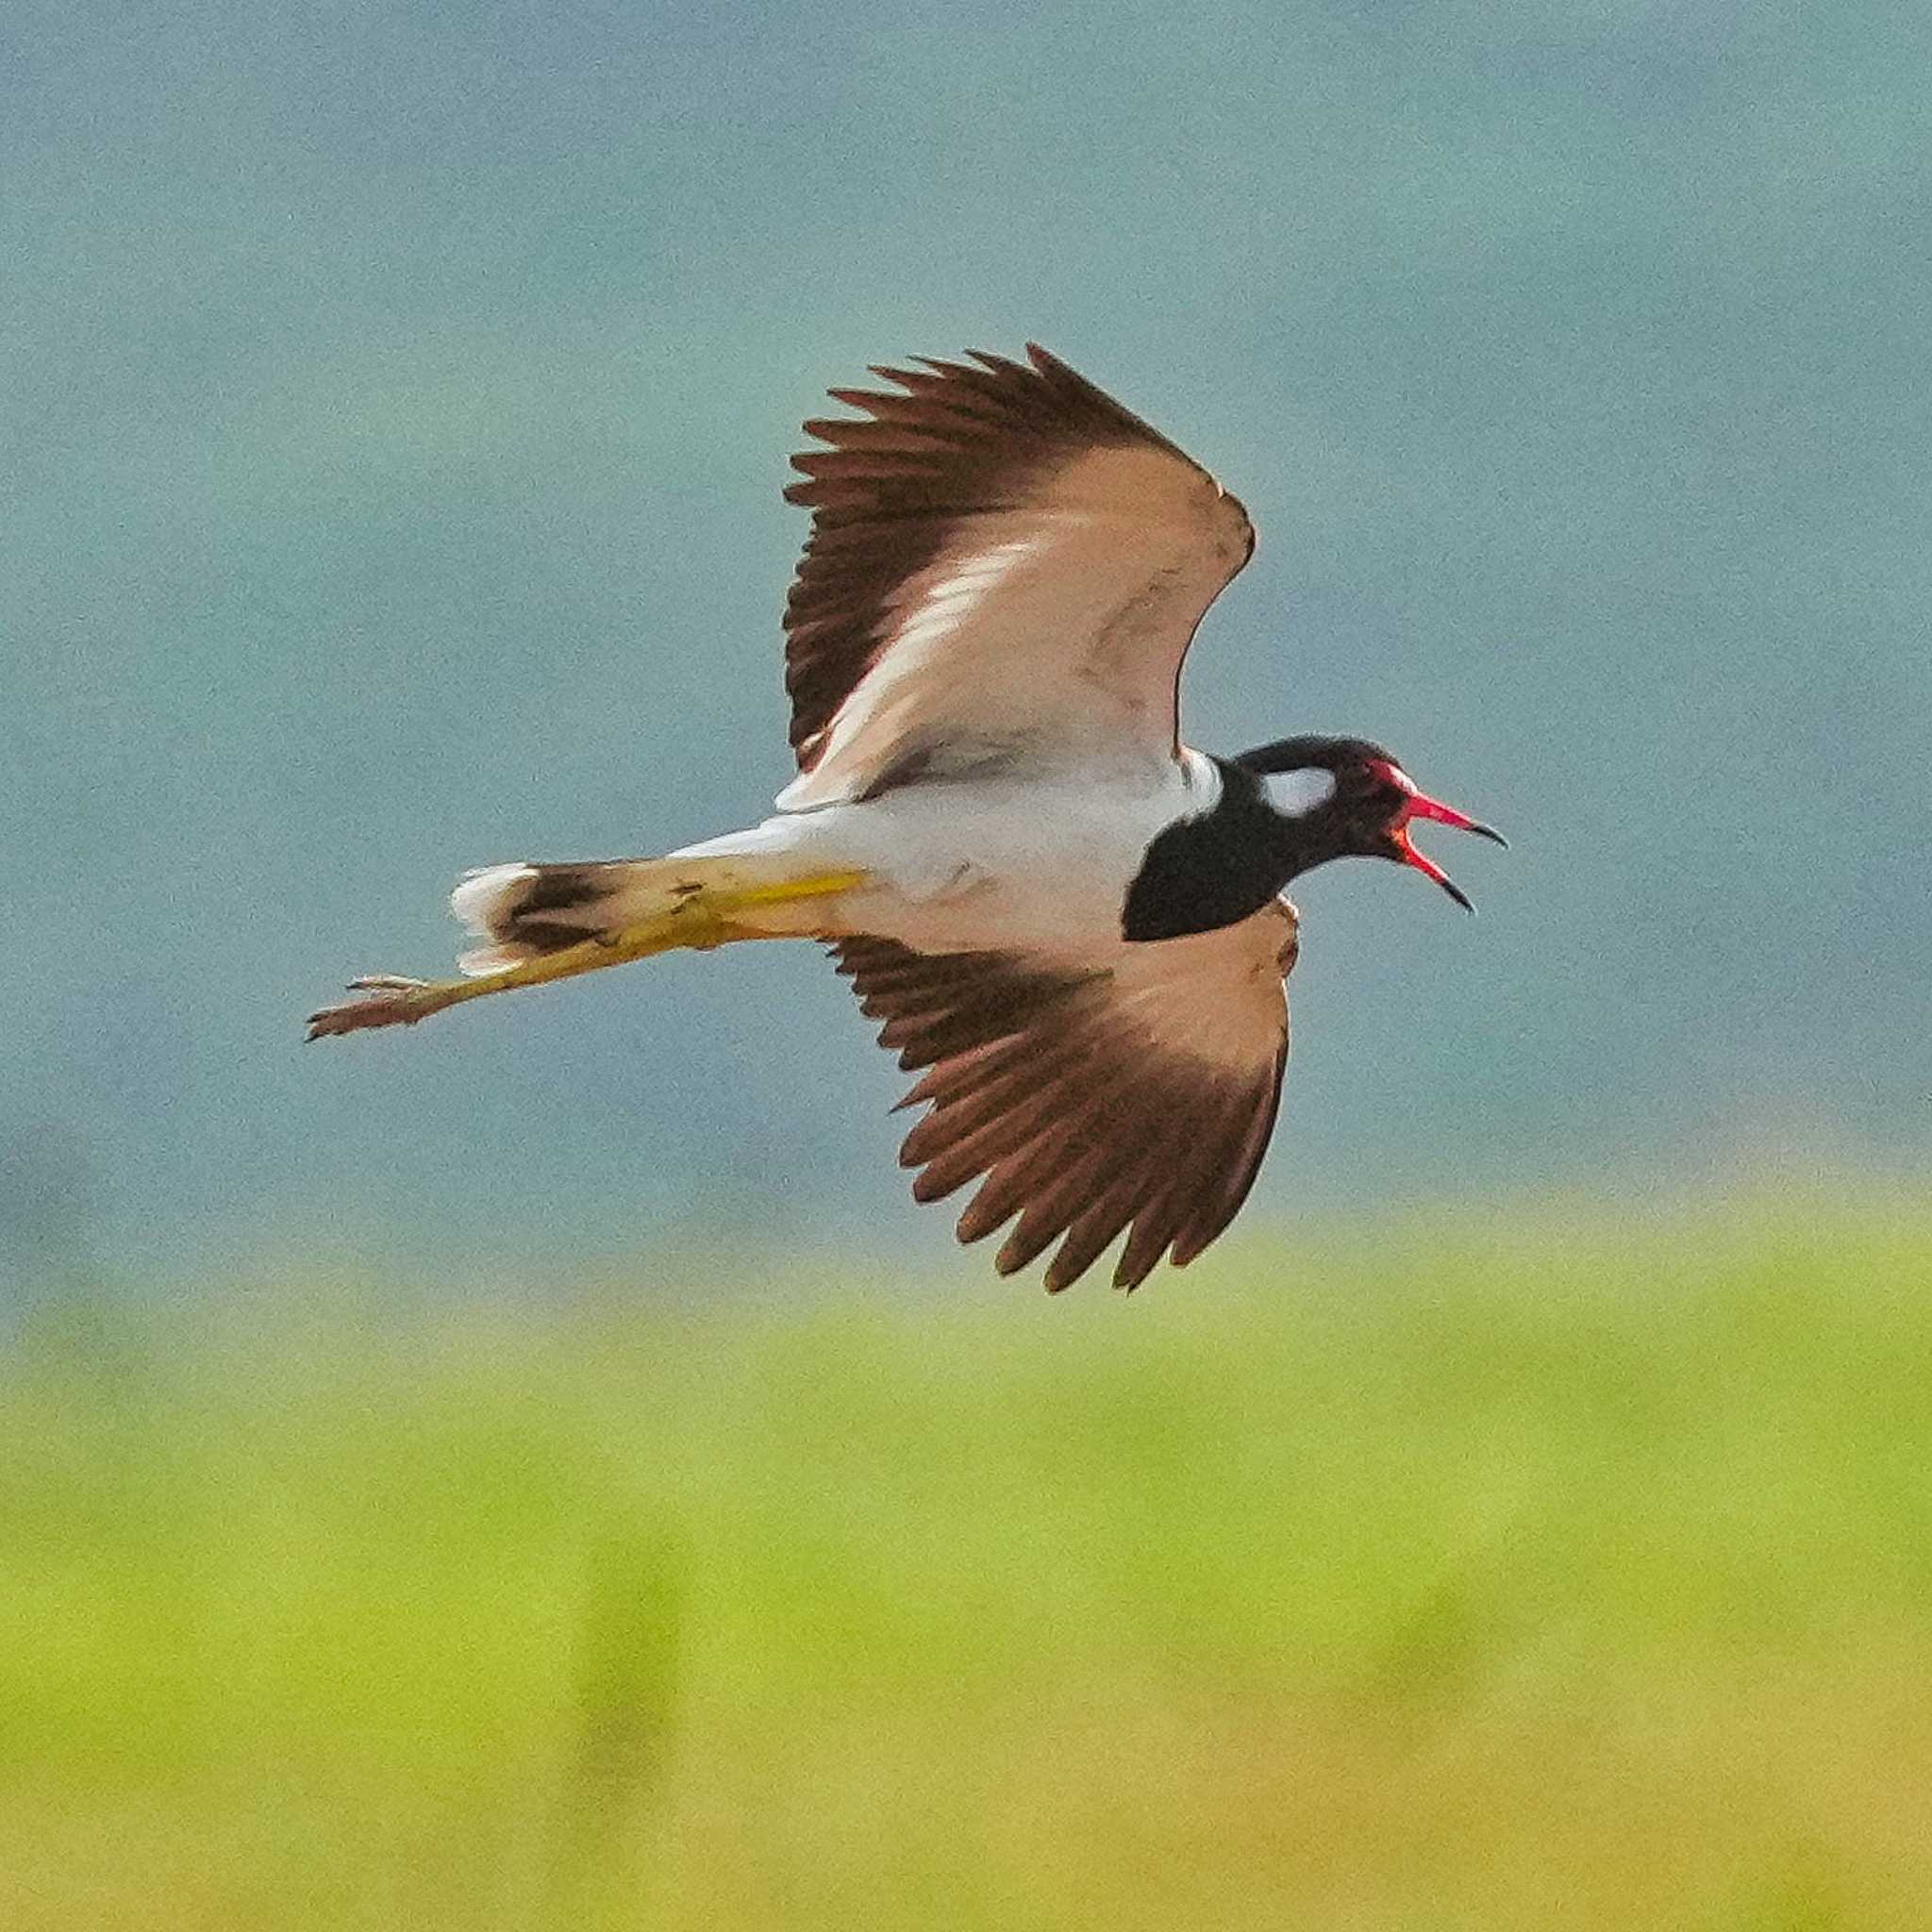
(1342, 797)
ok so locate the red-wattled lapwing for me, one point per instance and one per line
(1068, 919)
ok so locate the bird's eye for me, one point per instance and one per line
(1388, 781)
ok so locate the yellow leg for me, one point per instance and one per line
(701, 919)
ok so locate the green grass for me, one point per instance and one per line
(1544, 1572)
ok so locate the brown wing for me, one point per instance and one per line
(1000, 554)
(1139, 1095)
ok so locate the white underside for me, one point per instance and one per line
(1038, 859)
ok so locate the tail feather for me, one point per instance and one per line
(524, 912)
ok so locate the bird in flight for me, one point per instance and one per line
(1070, 923)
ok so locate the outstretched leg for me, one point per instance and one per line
(653, 907)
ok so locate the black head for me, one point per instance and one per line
(1343, 797)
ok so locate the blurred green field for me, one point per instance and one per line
(1544, 1572)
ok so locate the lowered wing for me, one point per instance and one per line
(1137, 1095)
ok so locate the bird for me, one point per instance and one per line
(1071, 925)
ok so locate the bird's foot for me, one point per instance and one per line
(390, 1001)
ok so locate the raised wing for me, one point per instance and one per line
(1137, 1095)
(1002, 559)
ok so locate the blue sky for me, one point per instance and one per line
(398, 405)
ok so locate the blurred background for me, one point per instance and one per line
(545, 1465)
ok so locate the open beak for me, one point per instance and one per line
(1422, 806)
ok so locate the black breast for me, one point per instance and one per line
(1211, 871)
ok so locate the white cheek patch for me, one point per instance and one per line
(1294, 795)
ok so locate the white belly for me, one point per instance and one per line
(1034, 861)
